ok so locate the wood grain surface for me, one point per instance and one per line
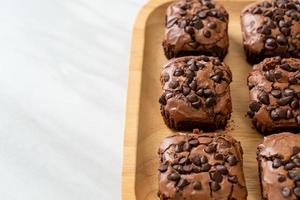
(144, 125)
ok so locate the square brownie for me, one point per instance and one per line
(279, 166)
(274, 86)
(201, 166)
(196, 27)
(196, 93)
(271, 28)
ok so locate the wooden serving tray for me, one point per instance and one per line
(144, 125)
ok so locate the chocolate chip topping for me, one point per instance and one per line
(199, 172)
(191, 90)
(277, 149)
(205, 25)
(271, 31)
(274, 99)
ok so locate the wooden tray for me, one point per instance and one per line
(144, 125)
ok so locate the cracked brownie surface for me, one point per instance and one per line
(279, 166)
(271, 28)
(196, 93)
(195, 27)
(201, 166)
(275, 94)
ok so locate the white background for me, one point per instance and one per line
(63, 80)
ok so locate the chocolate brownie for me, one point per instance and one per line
(271, 28)
(196, 93)
(279, 167)
(275, 95)
(196, 27)
(201, 166)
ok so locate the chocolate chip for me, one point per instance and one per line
(178, 148)
(207, 92)
(182, 12)
(186, 146)
(163, 168)
(203, 159)
(217, 176)
(257, 10)
(295, 104)
(198, 25)
(193, 66)
(264, 30)
(197, 185)
(298, 119)
(298, 36)
(178, 72)
(276, 93)
(212, 25)
(268, 13)
(284, 100)
(190, 74)
(166, 77)
(192, 98)
(286, 31)
(289, 114)
(288, 92)
(297, 191)
(173, 84)
(263, 97)
(210, 101)
(205, 58)
(185, 90)
(281, 178)
(173, 177)
(281, 39)
(182, 160)
(215, 186)
(295, 176)
(189, 30)
(193, 85)
(211, 148)
(200, 92)
(202, 14)
(286, 67)
(187, 168)
(289, 166)
(216, 78)
(233, 179)
(207, 34)
(194, 44)
(171, 22)
(194, 142)
(219, 156)
(285, 192)
(250, 113)
(205, 167)
(276, 163)
(182, 183)
(274, 115)
(254, 106)
(222, 169)
(232, 160)
(196, 160)
(297, 183)
(270, 44)
(178, 168)
(270, 76)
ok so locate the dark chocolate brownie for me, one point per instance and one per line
(201, 166)
(195, 27)
(279, 167)
(274, 86)
(271, 28)
(196, 93)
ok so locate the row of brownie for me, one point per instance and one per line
(200, 27)
(210, 166)
(196, 94)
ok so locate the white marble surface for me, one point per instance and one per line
(63, 80)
